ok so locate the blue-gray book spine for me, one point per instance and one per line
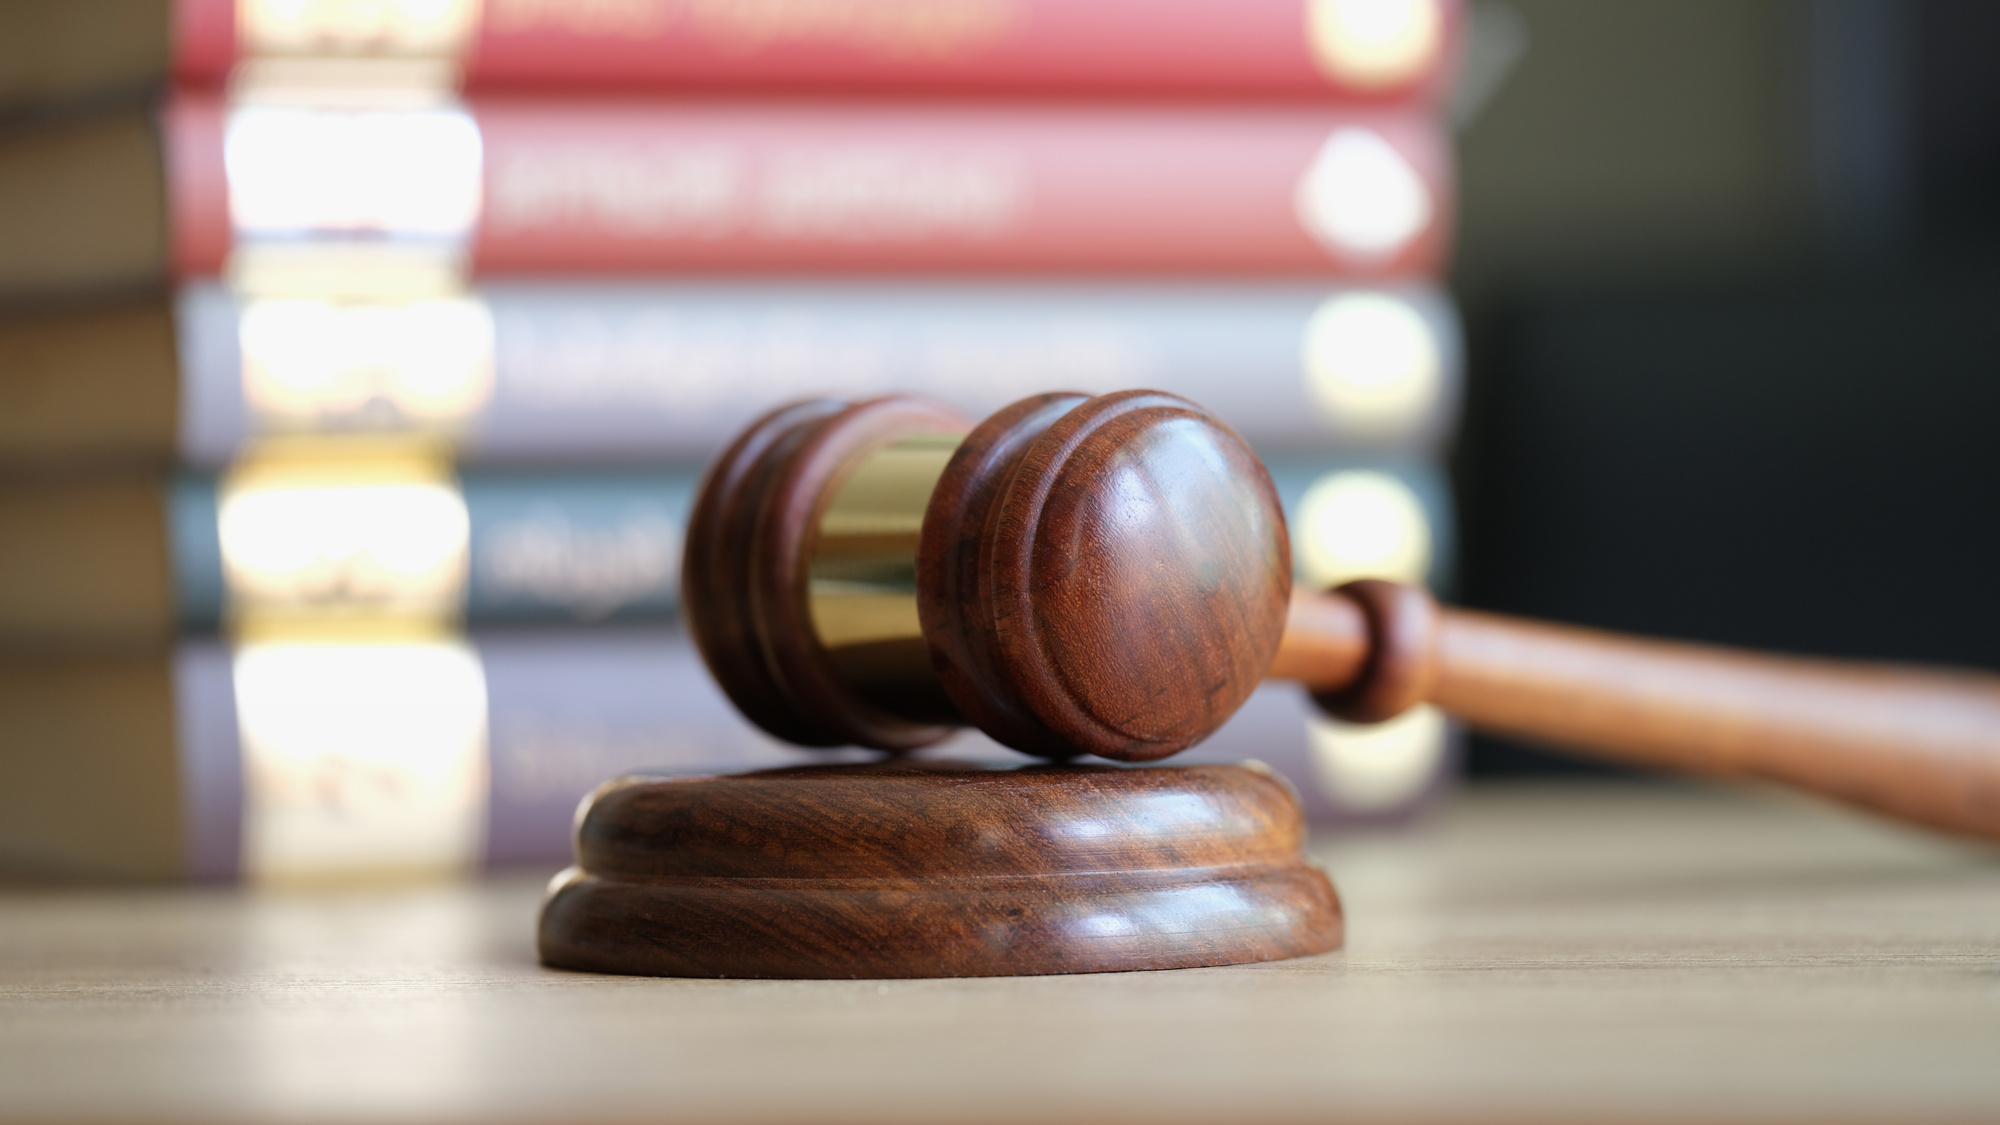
(545, 547)
(1421, 480)
(593, 547)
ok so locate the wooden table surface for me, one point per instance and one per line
(1578, 953)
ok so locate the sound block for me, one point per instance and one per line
(939, 869)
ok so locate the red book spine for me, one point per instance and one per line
(1246, 47)
(1072, 189)
(204, 40)
(198, 229)
(1366, 50)
(572, 187)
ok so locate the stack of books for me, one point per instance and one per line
(359, 381)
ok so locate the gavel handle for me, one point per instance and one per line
(1919, 744)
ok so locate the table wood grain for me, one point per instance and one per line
(1558, 953)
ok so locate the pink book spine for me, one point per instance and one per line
(1399, 51)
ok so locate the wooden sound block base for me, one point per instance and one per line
(939, 869)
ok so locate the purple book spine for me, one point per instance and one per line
(570, 709)
(610, 372)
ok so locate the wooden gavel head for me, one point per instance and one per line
(1073, 575)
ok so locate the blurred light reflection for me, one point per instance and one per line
(1361, 198)
(296, 171)
(1373, 43)
(1377, 766)
(1361, 524)
(381, 533)
(360, 27)
(361, 758)
(332, 364)
(1372, 362)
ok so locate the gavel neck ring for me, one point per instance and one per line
(1402, 663)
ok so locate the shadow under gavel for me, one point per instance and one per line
(1112, 576)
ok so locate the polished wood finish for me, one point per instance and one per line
(1093, 576)
(1402, 665)
(1921, 745)
(918, 869)
(1089, 575)
(1109, 576)
(1325, 645)
(715, 572)
(950, 554)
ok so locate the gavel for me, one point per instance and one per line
(1112, 576)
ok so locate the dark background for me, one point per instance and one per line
(1731, 271)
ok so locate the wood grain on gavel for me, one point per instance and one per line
(1112, 575)
(918, 869)
(1922, 745)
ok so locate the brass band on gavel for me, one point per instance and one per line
(863, 578)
